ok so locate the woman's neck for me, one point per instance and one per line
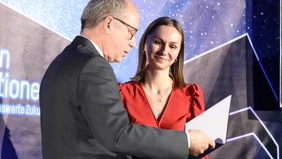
(157, 87)
(157, 80)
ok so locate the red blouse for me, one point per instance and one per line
(183, 105)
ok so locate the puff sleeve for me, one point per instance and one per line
(196, 100)
(121, 92)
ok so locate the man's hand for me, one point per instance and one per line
(199, 142)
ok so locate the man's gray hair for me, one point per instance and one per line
(97, 10)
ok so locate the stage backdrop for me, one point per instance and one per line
(231, 48)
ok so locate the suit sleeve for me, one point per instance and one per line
(107, 118)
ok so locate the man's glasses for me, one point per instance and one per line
(132, 32)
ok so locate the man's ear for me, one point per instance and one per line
(108, 24)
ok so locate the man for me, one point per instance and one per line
(82, 115)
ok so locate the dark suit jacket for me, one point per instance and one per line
(82, 115)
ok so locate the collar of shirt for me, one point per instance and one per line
(96, 46)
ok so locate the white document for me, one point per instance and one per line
(214, 121)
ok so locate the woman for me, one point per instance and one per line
(157, 95)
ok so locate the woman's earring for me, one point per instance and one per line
(175, 60)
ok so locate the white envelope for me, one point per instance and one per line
(213, 122)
